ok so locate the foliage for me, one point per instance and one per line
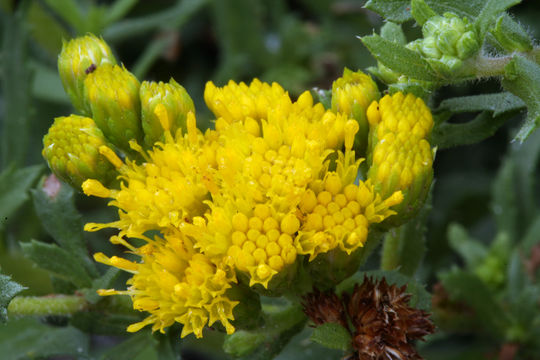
(471, 256)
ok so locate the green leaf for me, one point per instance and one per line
(399, 10)
(333, 336)
(510, 35)
(104, 282)
(55, 206)
(420, 299)
(471, 250)
(421, 12)
(481, 127)
(46, 84)
(393, 32)
(491, 10)
(14, 185)
(505, 199)
(58, 261)
(130, 348)
(469, 289)
(522, 79)
(323, 96)
(398, 58)
(8, 289)
(498, 103)
(16, 79)
(70, 12)
(29, 338)
(118, 10)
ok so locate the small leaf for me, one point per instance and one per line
(393, 32)
(14, 185)
(510, 35)
(468, 288)
(58, 261)
(8, 290)
(398, 58)
(481, 127)
(491, 10)
(55, 207)
(29, 338)
(333, 336)
(498, 103)
(471, 250)
(523, 80)
(421, 12)
(392, 10)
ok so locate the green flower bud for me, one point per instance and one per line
(351, 94)
(78, 58)
(400, 157)
(113, 95)
(172, 98)
(446, 64)
(71, 148)
(449, 35)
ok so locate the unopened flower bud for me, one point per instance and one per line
(172, 99)
(80, 57)
(71, 148)
(351, 94)
(400, 156)
(113, 95)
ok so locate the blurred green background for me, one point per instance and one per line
(300, 44)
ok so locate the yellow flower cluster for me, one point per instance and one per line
(276, 180)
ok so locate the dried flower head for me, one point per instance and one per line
(324, 307)
(385, 325)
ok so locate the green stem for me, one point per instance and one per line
(47, 305)
(484, 66)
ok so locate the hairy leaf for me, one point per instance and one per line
(398, 58)
(510, 35)
(333, 336)
(8, 290)
(490, 12)
(421, 11)
(522, 79)
(58, 261)
(498, 103)
(393, 32)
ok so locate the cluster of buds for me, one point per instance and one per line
(117, 108)
(279, 191)
(447, 41)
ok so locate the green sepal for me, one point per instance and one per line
(522, 78)
(8, 290)
(421, 11)
(58, 261)
(333, 336)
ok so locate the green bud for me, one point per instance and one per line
(113, 95)
(71, 148)
(446, 64)
(351, 94)
(173, 98)
(78, 58)
(449, 35)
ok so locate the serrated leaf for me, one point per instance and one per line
(58, 261)
(398, 58)
(498, 103)
(399, 10)
(393, 32)
(58, 215)
(522, 78)
(333, 336)
(510, 35)
(490, 12)
(471, 250)
(29, 338)
(130, 348)
(469, 289)
(8, 290)
(481, 127)
(14, 185)
(420, 299)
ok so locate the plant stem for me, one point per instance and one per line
(485, 66)
(390, 251)
(46, 305)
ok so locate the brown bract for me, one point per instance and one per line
(324, 308)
